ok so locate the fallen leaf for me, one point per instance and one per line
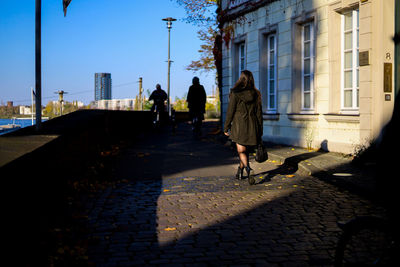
(292, 149)
(290, 175)
(166, 190)
(170, 229)
(295, 185)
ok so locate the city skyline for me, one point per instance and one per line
(126, 39)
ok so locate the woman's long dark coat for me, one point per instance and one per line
(196, 99)
(244, 116)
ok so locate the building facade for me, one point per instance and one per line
(102, 86)
(324, 67)
(25, 110)
(116, 104)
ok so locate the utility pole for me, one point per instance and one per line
(140, 93)
(38, 64)
(61, 99)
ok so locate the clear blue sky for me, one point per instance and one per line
(126, 38)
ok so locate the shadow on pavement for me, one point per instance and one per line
(290, 166)
(145, 222)
(142, 220)
(296, 227)
(127, 215)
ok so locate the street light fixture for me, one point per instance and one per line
(169, 21)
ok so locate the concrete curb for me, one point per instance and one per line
(304, 168)
(324, 162)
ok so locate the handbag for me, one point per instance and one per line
(261, 154)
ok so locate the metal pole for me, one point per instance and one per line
(169, 21)
(38, 65)
(140, 104)
(61, 100)
(397, 49)
(169, 66)
(32, 104)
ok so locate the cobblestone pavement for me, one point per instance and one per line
(180, 206)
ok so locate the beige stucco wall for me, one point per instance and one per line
(341, 132)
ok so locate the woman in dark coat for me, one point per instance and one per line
(244, 120)
(196, 99)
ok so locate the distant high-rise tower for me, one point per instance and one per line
(102, 86)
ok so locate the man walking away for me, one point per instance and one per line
(196, 99)
(158, 96)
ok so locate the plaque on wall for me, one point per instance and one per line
(363, 58)
(387, 77)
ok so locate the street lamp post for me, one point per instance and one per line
(38, 64)
(169, 21)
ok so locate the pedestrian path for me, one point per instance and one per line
(179, 205)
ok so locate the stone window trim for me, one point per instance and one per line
(263, 34)
(340, 8)
(349, 118)
(303, 116)
(297, 79)
(235, 55)
(271, 117)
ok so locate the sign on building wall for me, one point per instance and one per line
(387, 77)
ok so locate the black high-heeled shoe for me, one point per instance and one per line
(250, 175)
(239, 173)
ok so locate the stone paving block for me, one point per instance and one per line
(179, 220)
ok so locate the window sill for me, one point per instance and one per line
(303, 116)
(271, 116)
(352, 118)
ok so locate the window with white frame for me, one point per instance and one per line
(271, 73)
(241, 58)
(350, 66)
(307, 67)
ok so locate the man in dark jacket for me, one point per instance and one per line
(196, 99)
(158, 96)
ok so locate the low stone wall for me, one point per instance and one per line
(34, 184)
